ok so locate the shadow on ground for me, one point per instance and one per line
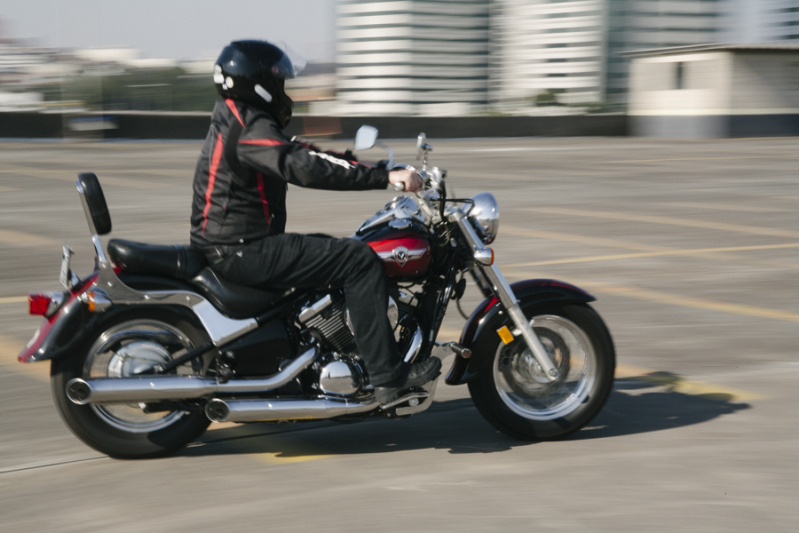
(635, 406)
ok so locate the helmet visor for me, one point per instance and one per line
(291, 64)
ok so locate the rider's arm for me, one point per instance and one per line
(263, 147)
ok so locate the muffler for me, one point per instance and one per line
(152, 388)
(272, 410)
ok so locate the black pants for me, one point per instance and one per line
(308, 262)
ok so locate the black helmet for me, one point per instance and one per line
(256, 71)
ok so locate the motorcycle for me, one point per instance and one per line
(153, 345)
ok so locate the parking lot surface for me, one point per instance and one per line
(691, 248)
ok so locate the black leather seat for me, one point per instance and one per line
(189, 263)
(236, 301)
(176, 261)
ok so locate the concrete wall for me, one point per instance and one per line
(195, 126)
(729, 93)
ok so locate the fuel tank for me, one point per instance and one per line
(402, 246)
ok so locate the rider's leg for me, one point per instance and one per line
(303, 261)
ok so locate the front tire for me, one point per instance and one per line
(118, 347)
(511, 391)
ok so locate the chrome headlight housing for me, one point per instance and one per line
(485, 216)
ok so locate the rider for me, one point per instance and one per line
(239, 206)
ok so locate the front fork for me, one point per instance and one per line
(484, 259)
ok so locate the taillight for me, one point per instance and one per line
(45, 304)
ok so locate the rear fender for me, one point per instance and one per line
(478, 326)
(62, 332)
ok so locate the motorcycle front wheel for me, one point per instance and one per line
(513, 394)
(120, 347)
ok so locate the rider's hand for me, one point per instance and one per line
(409, 178)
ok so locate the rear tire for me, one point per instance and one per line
(512, 393)
(116, 348)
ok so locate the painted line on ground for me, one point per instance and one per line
(582, 239)
(688, 159)
(687, 251)
(723, 207)
(654, 296)
(10, 348)
(25, 240)
(685, 386)
(626, 245)
(14, 300)
(72, 176)
(664, 220)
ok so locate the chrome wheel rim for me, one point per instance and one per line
(122, 351)
(522, 384)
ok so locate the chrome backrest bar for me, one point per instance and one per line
(98, 245)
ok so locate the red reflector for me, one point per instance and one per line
(38, 304)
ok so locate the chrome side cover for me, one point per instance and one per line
(220, 328)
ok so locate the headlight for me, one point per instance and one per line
(485, 216)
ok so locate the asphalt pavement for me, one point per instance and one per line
(691, 248)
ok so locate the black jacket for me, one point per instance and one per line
(242, 174)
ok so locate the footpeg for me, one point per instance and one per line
(417, 395)
(417, 401)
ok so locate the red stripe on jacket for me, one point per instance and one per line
(263, 142)
(233, 108)
(217, 156)
(263, 198)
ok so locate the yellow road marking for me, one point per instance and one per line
(582, 239)
(685, 386)
(27, 240)
(688, 251)
(626, 245)
(10, 348)
(673, 221)
(73, 176)
(689, 159)
(673, 299)
(724, 207)
(14, 300)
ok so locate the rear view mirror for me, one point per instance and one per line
(365, 137)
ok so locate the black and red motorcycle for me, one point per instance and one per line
(154, 345)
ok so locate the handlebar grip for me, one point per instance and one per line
(399, 187)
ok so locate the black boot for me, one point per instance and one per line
(416, 375)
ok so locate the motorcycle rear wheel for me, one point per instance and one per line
(118, 347)
(514, 396)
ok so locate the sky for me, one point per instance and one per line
(175, 29)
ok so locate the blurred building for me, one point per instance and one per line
(760, 21)
(715, 91)
(552, 49)
(412, 56)
(648, 24)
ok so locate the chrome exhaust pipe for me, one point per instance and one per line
(272, 410)
(152, 388)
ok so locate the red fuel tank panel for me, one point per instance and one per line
(404, 254)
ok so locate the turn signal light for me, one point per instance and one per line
(96, 300)
(38, 304)
(484, 256)
(90, 301)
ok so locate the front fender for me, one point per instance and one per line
(529, 291)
